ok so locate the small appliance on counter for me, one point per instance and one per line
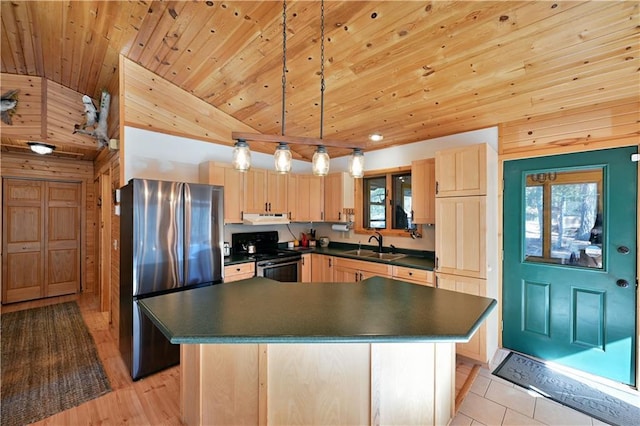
(271, 262)
(226, 249)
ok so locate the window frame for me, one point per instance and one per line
(359, 202)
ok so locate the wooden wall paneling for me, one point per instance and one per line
(105, 241)
(27, 120)
(152, 103)
(64, 110)
(26, 166)
(602, 125)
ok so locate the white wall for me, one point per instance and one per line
(152, 155)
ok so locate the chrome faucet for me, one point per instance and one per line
(378, 238)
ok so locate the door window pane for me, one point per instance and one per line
(563, 220)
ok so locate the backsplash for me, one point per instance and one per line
(293, 230)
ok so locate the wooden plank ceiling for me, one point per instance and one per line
(411, 70)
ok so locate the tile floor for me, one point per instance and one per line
(494, 401)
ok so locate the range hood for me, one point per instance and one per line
(265, 219)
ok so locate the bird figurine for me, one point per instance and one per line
(95, 119)
(9, 104)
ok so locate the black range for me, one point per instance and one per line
(271, 262)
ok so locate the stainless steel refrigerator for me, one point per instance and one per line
(171, 237)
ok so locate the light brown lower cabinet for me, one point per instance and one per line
(351, 270)
(318, 383)
(412, 275)
(239, 272)
(305, 276)
(322, 268)
(476, 348)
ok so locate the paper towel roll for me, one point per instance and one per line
(342, 227)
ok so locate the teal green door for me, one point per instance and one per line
(569, 283)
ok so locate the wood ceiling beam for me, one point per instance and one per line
(296, 140)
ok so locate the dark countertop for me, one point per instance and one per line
(411, 260)
(259, 310)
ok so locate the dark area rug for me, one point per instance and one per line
(534, 375)
(49, 363)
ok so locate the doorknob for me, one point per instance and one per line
(623, 250)
(622, 283)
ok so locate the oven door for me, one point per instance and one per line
(280, 270)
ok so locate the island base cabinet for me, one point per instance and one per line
(316, 384)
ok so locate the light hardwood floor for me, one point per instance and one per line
(154, 400)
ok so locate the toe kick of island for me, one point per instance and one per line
(318, 383)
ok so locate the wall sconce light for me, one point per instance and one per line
(282, 158)
(356, 163)
(320, 161)
(241, 156)
(41, 148)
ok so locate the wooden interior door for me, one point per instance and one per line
(62, 244)
(23, 243)
(41, 239)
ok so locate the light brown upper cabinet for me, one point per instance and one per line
(265, 191)
(41, 239)
(232, 180)
(338, 196)
(461, 171)
(423, 191)
(305, 194)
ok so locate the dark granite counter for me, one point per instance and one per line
(413, 259)
(260, 310)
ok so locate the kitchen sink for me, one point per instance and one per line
(375, 255)
(387, 256)
(363, 253)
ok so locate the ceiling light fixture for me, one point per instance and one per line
(375, 137)
(241, 156)
(320, 160)
(356, 163)
(41, 148)
(282, 156)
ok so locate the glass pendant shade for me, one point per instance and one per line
(241, 156)
(320, 162)
(356, 163)
(41, 148)
(282, 158)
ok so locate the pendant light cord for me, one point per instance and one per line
(322, 85)
(284, 60)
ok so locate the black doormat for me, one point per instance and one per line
(534, 375)
(49, 363)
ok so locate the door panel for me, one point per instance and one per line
(566, 219)
(62, 268)
(23, 221)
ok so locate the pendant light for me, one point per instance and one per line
(282, 156)
(320, 160)
(356, 163)
(241, 156)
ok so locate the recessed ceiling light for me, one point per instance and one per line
(375, 137)
(41, 148)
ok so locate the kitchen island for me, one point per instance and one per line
(261, 352)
